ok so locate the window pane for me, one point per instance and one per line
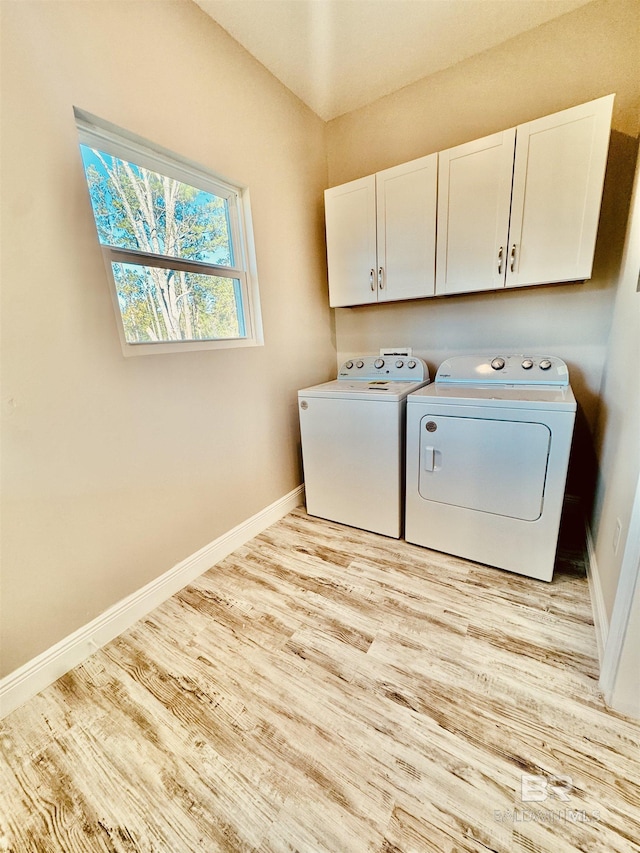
(135, 208)
(168, 305)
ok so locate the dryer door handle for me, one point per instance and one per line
(429, 458)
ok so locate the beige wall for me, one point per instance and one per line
(617, 434)
(116, 469)
(578, 57)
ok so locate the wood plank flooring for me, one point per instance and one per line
(327, 690)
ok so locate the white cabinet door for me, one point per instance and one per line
(350, 213)
(558, 176)
(474, 195)
(406, 228)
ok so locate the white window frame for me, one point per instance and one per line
(97, 133)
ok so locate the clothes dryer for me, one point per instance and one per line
(353, 439)
(488, 448)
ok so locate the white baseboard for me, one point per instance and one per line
(19, 686)
(600, 619)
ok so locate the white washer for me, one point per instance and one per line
(353, 435)
(487, 456)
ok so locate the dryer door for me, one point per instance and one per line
(485, 465)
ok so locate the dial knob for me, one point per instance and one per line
(498, 363)
(349, 365)
(399, 363)
(359, 363)
(527, 364)
(545, 364)
(411, 364)
(379, 362)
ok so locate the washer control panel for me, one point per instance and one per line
(388, 368)
(503, 369)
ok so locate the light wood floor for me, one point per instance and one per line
(326, 690)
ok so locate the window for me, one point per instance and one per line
(177, 245)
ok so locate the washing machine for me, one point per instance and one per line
(353, 437)
(487, 455)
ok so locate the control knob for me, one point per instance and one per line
(498, 363)
(411, 364)
(378, 363)
(399, 363)
(545, 364)
(527, 364)
(349, 365)
(359, 363)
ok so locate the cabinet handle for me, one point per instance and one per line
(380, 278)
(500, 254)
(372, 273)
(512, 262)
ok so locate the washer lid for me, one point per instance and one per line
(497, 395)
(380, 390)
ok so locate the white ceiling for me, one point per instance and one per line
(338, 55)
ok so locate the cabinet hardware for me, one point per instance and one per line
(500, 254)
(372, 273)
(513, 258)
(380, 278)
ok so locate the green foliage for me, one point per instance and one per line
(213, 308)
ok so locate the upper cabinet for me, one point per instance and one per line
(516, 208)
(474, 201)
(557, 189)
(381, 235)
(350, 214)
(535, 228)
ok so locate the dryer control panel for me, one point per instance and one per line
(503, 369)
(388, 368)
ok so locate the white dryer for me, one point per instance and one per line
(487, 455)
(353, 436)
